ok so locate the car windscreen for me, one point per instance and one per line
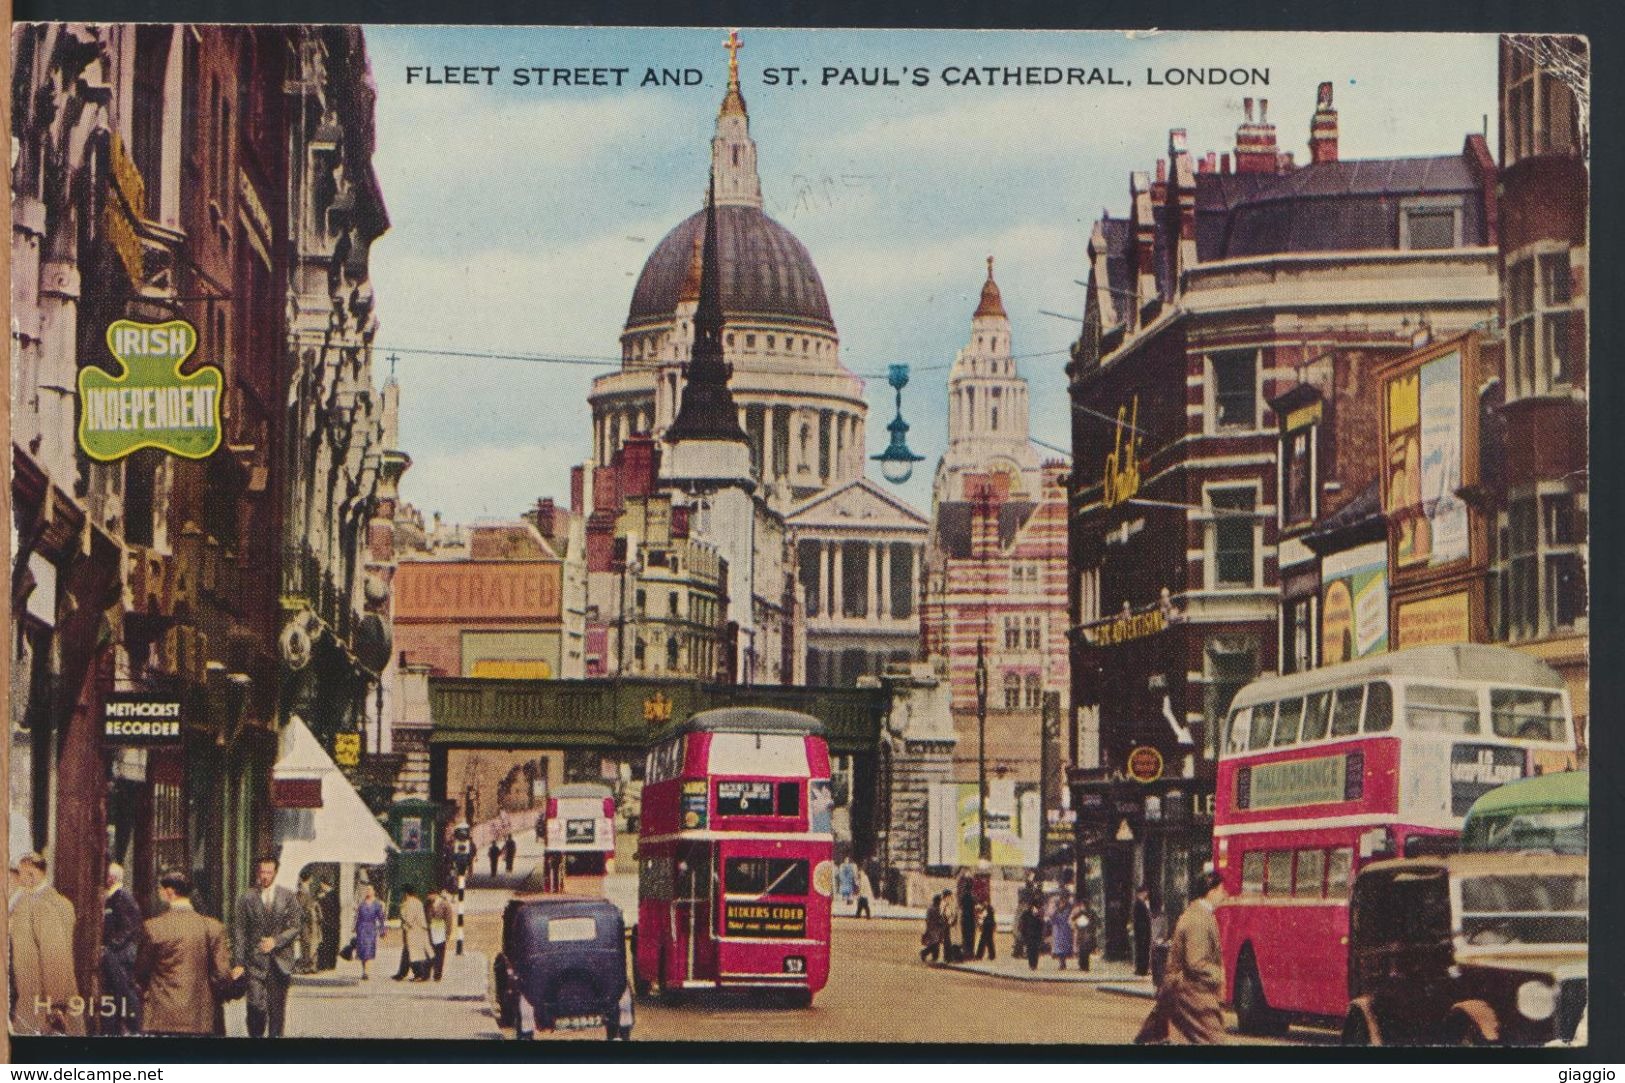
(1525, 908)
(1407, 906)
(1554, 830)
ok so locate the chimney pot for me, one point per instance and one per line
(1162, 170)
(1263, 110)
(1247, 105)
(1224, 163)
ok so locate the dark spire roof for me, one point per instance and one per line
(707, 411)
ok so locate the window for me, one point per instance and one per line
(1309, 879)
(770, 342)
(1543, 352)
(1298, 477)
(750, 342)
(1236, 740)
(1035, 691)
(1286, 722)
(1430, 225)
(1252, 872)
(1346, 711)
(1089, 595)
(1298, 626)
(1538, 110)
(1278, 873)
(740, 798)
(1033, 633)
(672, 652)
(1317, 711)
(568, 930)
(1229, 663)
(1012, 633)
(1527, 714)
(1338, 867)
(1379, 707)
(1441, 710)
(673, 604)
(1543, 581)
(1520, 585)
(1232, 534)
(764, 876)
(1263, 723)
(1012, 692)
(1235, 390)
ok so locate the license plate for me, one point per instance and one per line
(795, 964)
(578, 1022)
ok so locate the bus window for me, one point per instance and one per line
(1252, 872)
(744, 798)
(1346, 712)
(1309, 879)
(1263, 722)
(789, 799)
(1240, 719)
(1278, 873)
(1337, 872)
(1527, 714)
(1286, 723)
(765, 876)
(1379, 708)
(1317, 711)
(1441, 710)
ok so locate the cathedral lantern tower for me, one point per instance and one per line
(987, 411)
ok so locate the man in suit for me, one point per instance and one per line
(182, 957)
(42, 972)
(1142, 931)
(121, 936)
(263, 935)
(1189, 1000)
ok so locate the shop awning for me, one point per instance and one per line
(343, 830)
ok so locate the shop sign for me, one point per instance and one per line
(780, 921)
(296, 793)
(1475, 770)
(1145, 764)
(694, 808)
(141, 718)
(1423, 471)
(1121, 629)
(1320, 780)
(119, 216)
(1436, 620)
(1120, 480)
(520, 669)
(440, 590)
(347, 749)
(1303, 417)
(1354, 603)
(149, 403)
(657, 709)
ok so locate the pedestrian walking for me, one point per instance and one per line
(1142, 931)
(846, 881)
(1085, 926)
(495, 854)
(931, 939)
(987, 945)
(510, 850)
(183, 966)
(371, 923)
(866, 894)
(1029, 893)
(266, 925)
(953, 947)
(42, 976)
(442, 913)
(121, 938)
(1031, 927)
(1060, 927)
(416, 952)
(1188, 1001)
(966, 891)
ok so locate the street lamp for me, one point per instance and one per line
(897, 461)
(984, 849)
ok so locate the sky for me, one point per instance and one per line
(521, 216)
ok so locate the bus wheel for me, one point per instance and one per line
(1253, 1012)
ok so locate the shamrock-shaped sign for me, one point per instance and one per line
(150, 404)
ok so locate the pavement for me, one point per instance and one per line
(1102, 975)
(338, 1003)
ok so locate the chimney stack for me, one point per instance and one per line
(1323, 128)
(1256, 150)
(1224, 163)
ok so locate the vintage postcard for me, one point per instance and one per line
(864, 536)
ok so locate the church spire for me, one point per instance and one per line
(733, 152)
(707, 411)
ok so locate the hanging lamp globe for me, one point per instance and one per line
(897, 461)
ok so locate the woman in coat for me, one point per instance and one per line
(931, 939)
(952, 949)
(1084, 925)
(369, 926)
(1060, 928)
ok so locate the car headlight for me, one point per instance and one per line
(1537, 1000)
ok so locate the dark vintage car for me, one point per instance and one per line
(1468, 949)
(563, 966)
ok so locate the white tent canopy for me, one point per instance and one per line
(343, 831)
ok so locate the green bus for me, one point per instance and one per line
(1547, 812)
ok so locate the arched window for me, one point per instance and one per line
(671, 653)
(1012, 691)
(1035, 691)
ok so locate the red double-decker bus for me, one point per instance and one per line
(1323, 771)
(735, 855)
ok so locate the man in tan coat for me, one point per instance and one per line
(182, 957)
(1190, 998)
(416, 951)
(42, 970)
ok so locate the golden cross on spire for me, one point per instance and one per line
(733, 45)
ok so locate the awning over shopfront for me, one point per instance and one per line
(342, 830)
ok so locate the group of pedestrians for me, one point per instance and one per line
(1068, 927)
(853, 883)
(959, 925)
(503, 852)
(425, 926)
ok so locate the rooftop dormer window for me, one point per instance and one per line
(1430, 224)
